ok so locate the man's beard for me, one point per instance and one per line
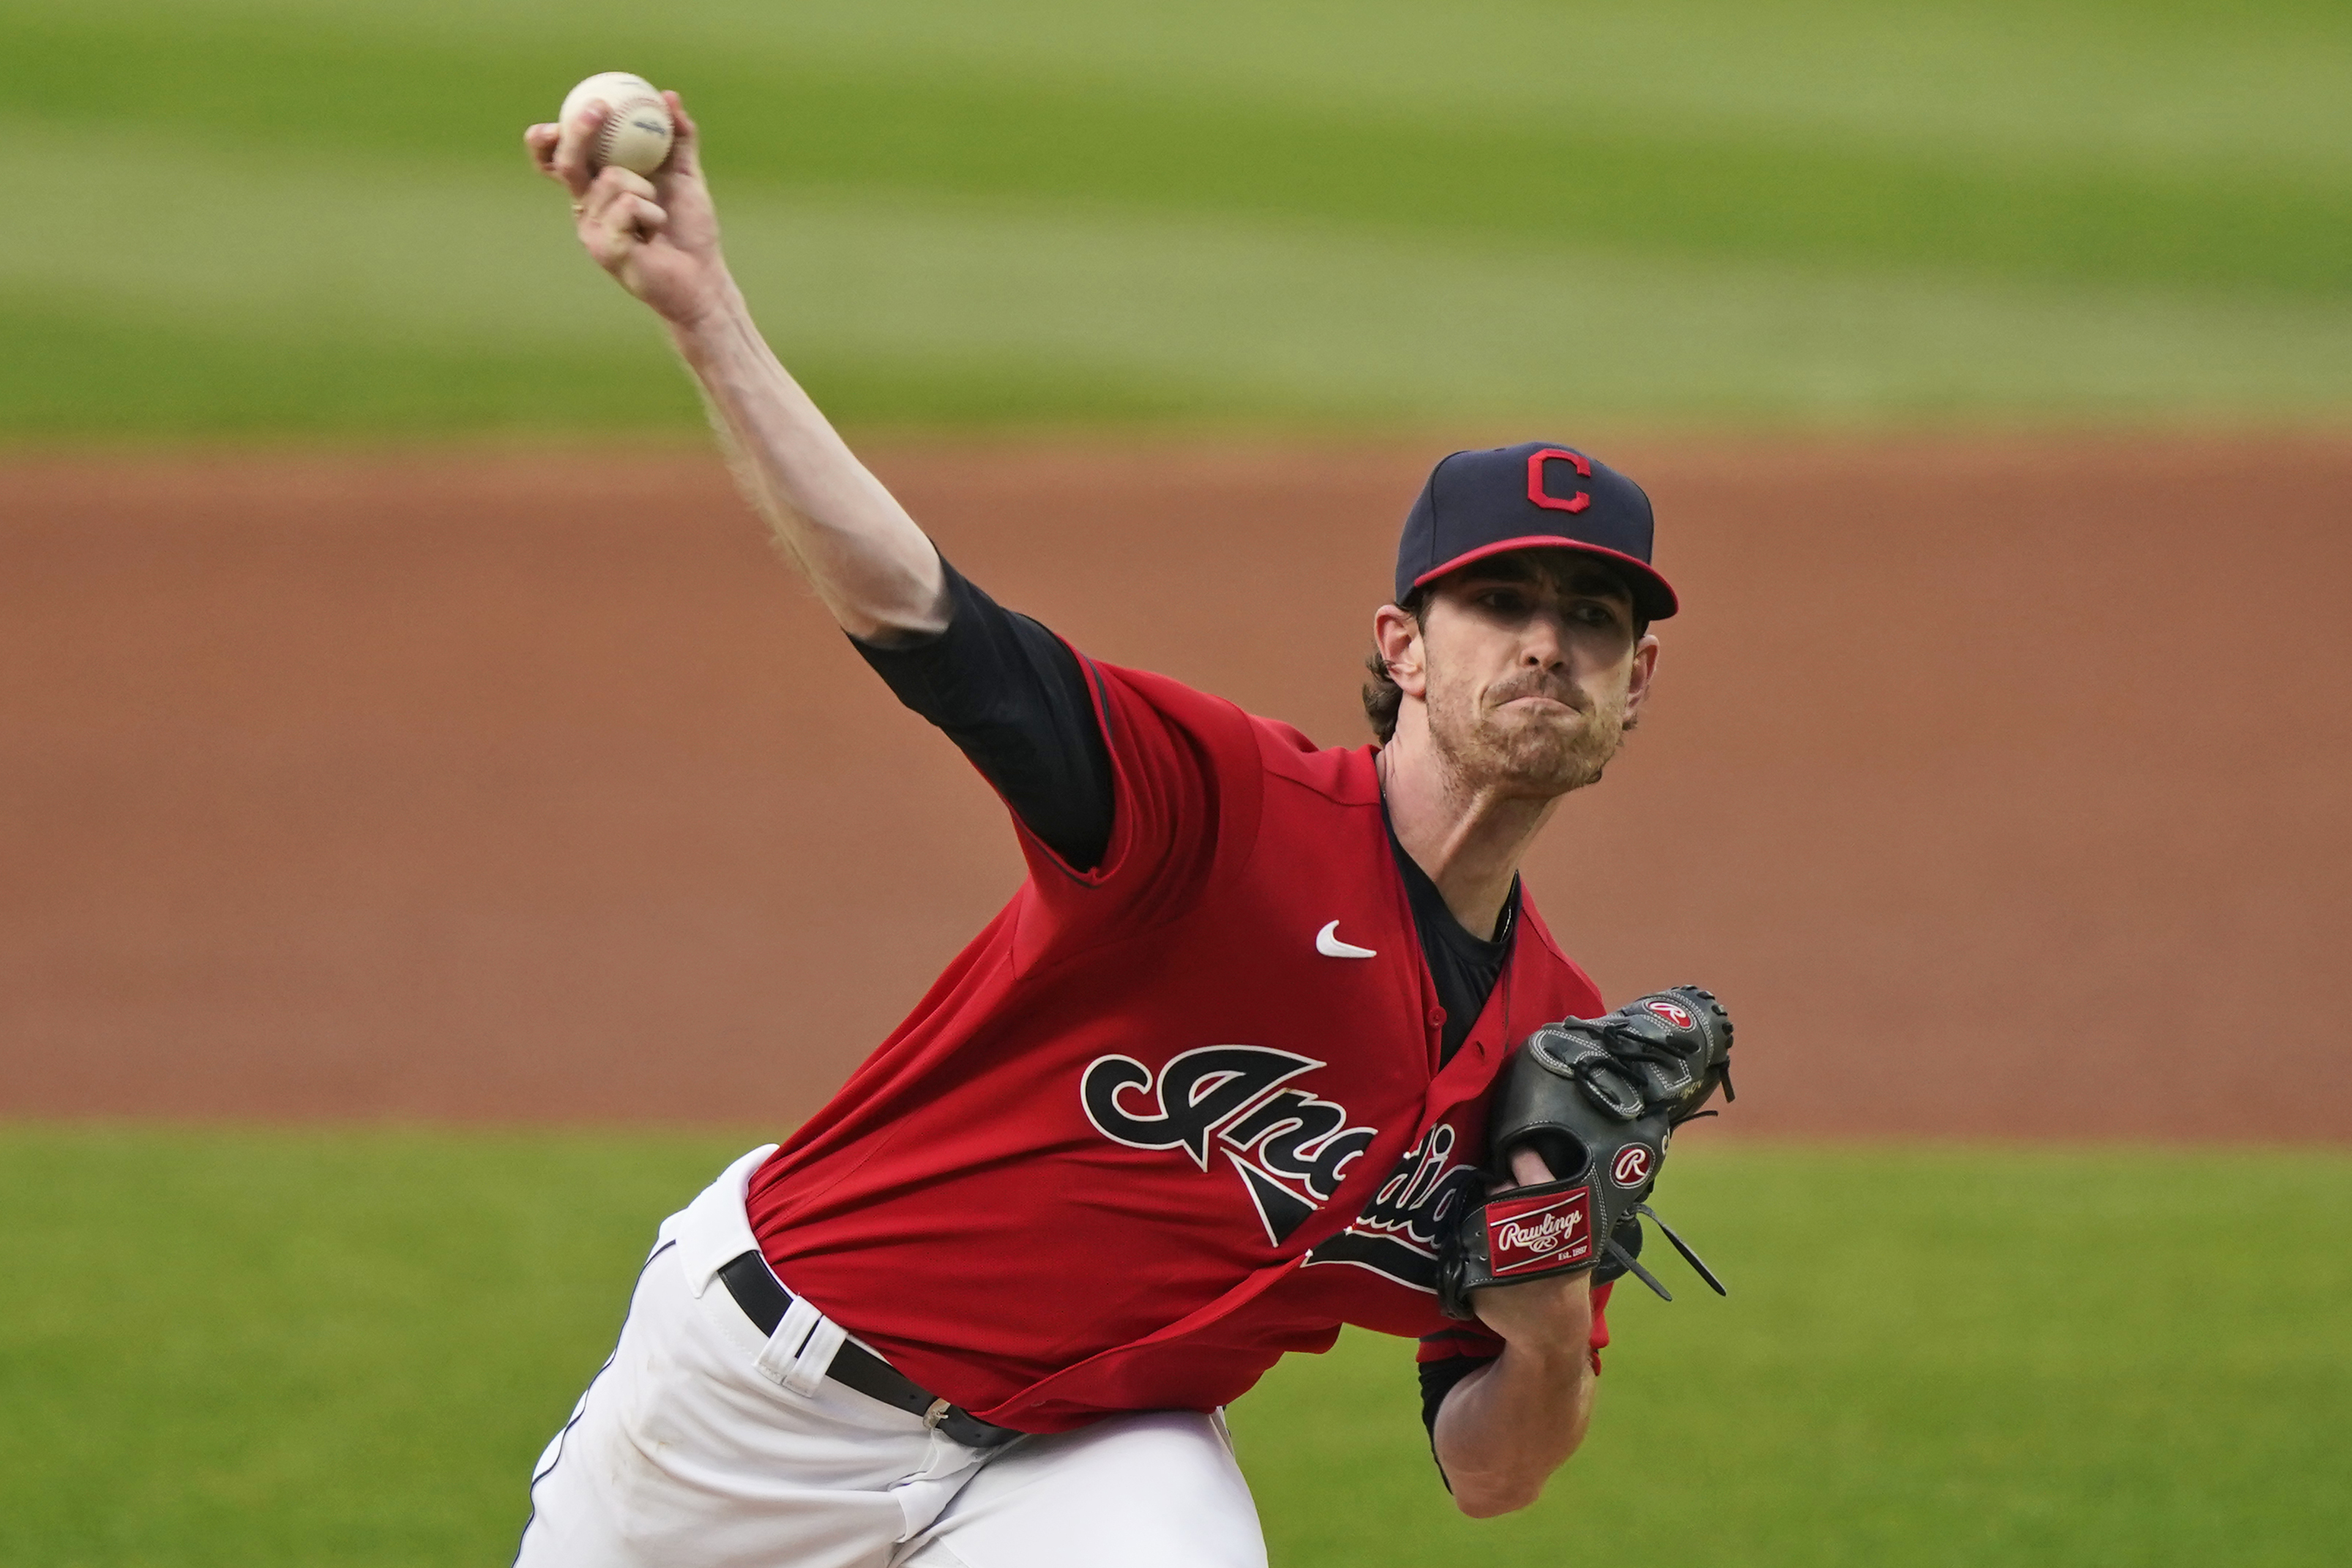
(1541, 756)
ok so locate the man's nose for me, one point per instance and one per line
(1545, 645)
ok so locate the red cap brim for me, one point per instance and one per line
(1653, 597)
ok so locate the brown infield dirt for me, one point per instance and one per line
(1998, 787)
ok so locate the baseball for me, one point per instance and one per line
(637, 131)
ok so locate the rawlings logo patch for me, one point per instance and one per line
(1538, 1232)
(1632, 1166)
(1673, 1013)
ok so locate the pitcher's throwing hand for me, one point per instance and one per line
(658, 234)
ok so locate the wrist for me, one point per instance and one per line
(1557, 1360)
(1550, 1315)
(714, 313)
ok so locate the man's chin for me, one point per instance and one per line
(1537, 766)
(1565, 751)
(1549, 777)
(1536, 749)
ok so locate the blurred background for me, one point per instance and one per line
(268, 217)
(435, 833)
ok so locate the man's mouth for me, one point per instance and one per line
(1540, 700)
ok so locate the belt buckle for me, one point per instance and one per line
(936, 1413)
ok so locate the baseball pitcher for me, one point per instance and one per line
(1270, 1040)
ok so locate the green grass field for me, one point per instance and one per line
(347, 1346)
(285, 217)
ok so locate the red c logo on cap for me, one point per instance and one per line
(1536, 493)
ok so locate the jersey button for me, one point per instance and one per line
(1437, 1017)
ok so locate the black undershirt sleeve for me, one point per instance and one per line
(1015, 699)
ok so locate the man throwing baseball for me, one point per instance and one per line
(1219, 1078)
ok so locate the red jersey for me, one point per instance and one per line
(1164, 1121)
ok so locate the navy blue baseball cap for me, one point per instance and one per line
(1536, 494)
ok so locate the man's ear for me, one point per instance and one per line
(1398, 637)
(1637, 684)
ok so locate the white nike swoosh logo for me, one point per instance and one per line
(1327, 943)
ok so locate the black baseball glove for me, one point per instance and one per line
(1597, 1099)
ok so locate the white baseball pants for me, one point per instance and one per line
(706, 1444)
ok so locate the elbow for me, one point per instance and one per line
(1493, 1497)
(1508, 1487)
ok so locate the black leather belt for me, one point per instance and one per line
(765, 1300)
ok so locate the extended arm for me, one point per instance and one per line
(873, 567)
(1504, 1429)
(1004, 688)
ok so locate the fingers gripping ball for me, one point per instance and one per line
(1597, 1099)
(637, 132)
